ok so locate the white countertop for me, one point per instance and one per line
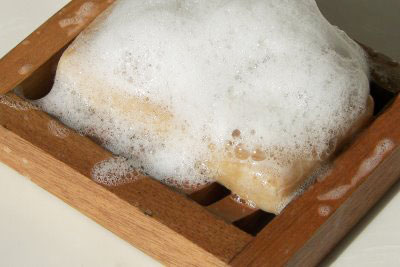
(37, 229)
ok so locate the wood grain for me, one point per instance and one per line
(63, 165)
(45, 42)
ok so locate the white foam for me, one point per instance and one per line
(114, 171)
(275, 70)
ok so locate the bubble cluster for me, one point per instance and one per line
(176, 85)
(114, 171)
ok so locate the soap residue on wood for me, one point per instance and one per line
(114, 171)
(57, 129)
(366, 167)
(25, 69)
(324, 210)
(370, 163)
(17, 104)
(80, 18)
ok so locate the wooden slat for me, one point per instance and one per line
(41, 81)
(255, 222)
(47, 41)
(230, 210)
(62, 161)
(311, 225)
(209, 194)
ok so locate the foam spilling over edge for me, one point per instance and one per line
(169, 83)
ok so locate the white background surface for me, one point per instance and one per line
(37, 229)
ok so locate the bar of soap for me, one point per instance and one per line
(254, 94)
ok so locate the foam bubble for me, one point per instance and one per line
(171, 84)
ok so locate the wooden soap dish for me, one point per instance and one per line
(207, 226)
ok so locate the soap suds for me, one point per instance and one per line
(324, 210)
(366, 167)
(81, 16)
(114, 171)
(58, 129)
(167, 83)
(25, 69)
